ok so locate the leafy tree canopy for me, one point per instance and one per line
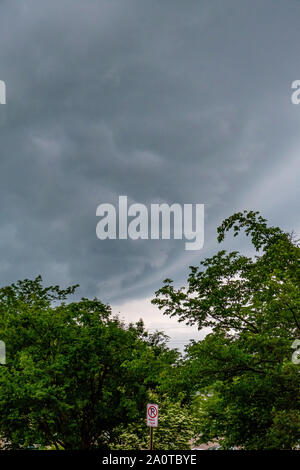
(73, 371)
(251, 306)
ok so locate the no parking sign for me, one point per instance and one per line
(152, 415)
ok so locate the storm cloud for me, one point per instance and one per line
(162, 101)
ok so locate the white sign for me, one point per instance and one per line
(152, 415)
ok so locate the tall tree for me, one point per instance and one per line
(251, 305)
(73, 371)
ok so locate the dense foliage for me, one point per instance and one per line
(76, 377)
(178, 426)
(73, 371)
(252, 307)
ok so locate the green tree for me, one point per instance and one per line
(251, 305)
(73, 371)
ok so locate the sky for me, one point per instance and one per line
(161, 101)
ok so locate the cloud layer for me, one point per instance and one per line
(169, 101)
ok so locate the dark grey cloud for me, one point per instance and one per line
(169, 101)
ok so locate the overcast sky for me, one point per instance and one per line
(160, 100)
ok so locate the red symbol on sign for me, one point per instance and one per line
(152, 412)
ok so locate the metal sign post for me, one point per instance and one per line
(152, 420)
(151, 438)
